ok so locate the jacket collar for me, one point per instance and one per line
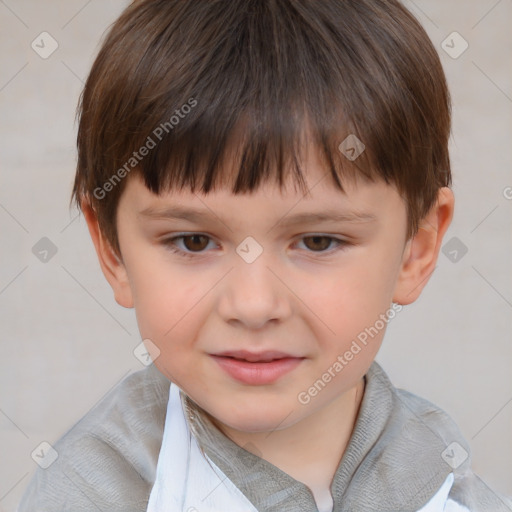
(392, 462)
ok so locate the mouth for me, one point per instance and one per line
(256, 368)
(256, 357)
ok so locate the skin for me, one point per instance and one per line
(299, 296)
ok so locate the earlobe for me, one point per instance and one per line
(422, 250)
(111, 265)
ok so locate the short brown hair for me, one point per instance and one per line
(202, 73)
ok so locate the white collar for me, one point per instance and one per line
(189, 481)
(186, 480)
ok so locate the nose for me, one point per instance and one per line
(253, 294)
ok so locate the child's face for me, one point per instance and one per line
(324, 305)
(300, 296)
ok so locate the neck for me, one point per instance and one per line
(299, 450)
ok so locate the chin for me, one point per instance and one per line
(255, 419)
(253, 425)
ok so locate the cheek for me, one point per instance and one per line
(166, 311)
(349, 298)
(354, 290)
(165, 297)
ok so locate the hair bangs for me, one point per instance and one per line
(210, 94)
(267, 143)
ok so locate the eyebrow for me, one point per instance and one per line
(199, 215)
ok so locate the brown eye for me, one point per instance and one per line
(195, 243)
(319, 243)
(188, 246)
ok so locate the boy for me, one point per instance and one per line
(197, 123)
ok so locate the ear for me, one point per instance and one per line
(111, 265)
(422, 250)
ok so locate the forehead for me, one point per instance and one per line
(361, 201)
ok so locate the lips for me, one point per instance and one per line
(256, 368)
(255, 357)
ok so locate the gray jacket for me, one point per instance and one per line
(400, 452)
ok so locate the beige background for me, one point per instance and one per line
(65, 341)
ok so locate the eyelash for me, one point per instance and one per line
(170, 245)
